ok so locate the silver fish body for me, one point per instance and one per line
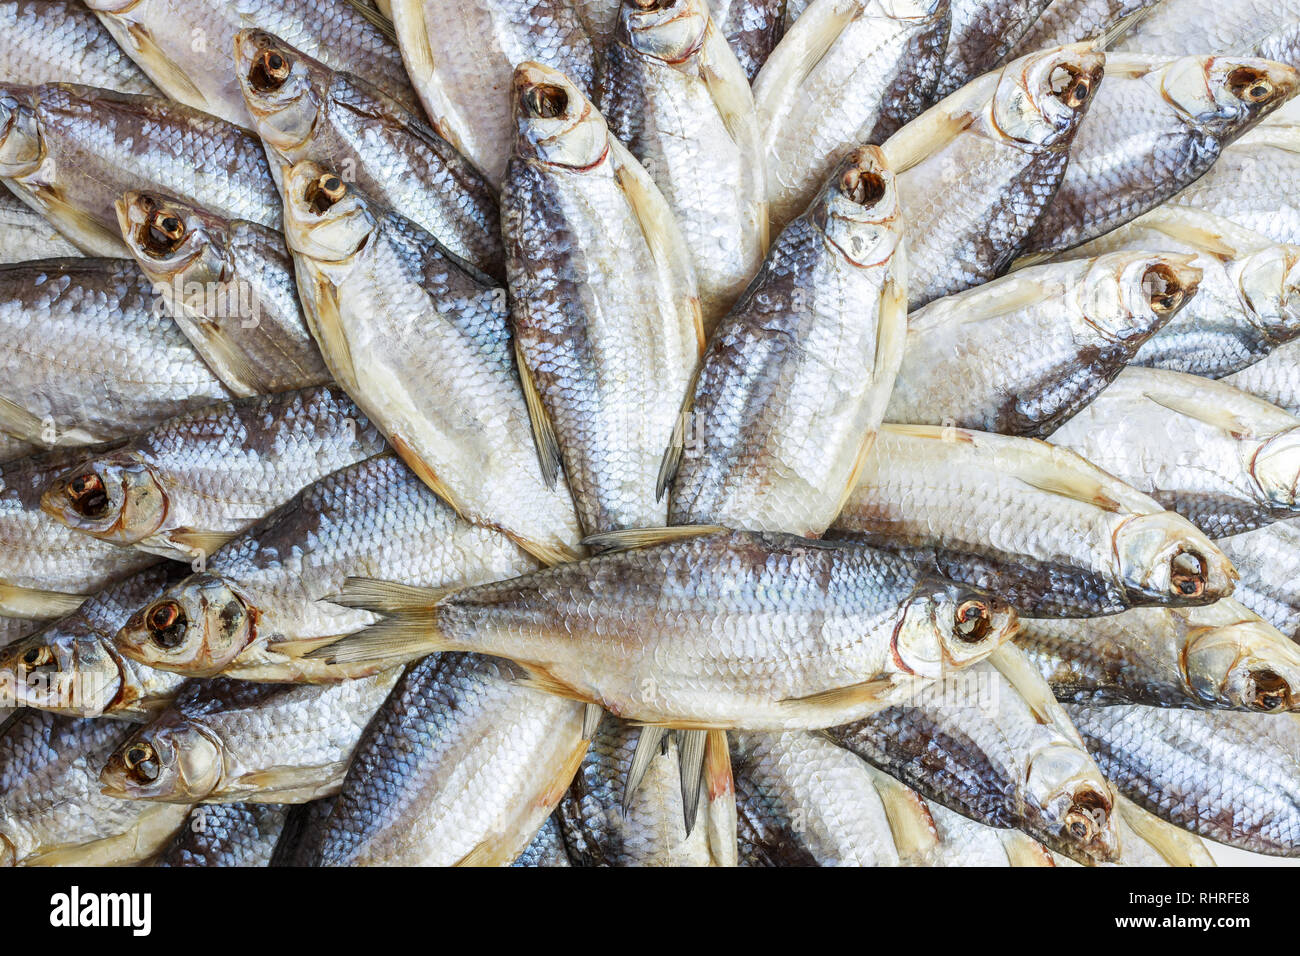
(53, 41)
(982, 35)
(753, 28)
(1178, 27)
(547, 848)
(28, 234)
(1274, 378)
(1069, 21)
(1269, 561)
(228, 834)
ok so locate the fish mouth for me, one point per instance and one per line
(1087, 826)
(153, 229)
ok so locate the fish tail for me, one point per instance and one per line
(409, 629)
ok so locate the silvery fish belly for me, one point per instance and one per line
(1021, 354)
(46, 568)
(1069, 21)
(263, 600)
(228, 741)
(1269, 561)
(994, 745)
(71, 667)
(1223, 459)
(227, 834)
(52, 812)
(753, 28)
(229, 286)
(184, 488)
(961, 841)
(802, 801)
(1177, 27)
(186, 45)
(795, 379)
(606, 352)
(849, 72)
(88, 355)
(674, 95)
(71, 151)
(1155, 126)
(461, 55)
(424, 347)
(51, 41)
(976, 170)
(1246, 304)
(460, 766)
(1227, 777)
(707, 631)
(547, 848)
(1042, 528)
(1274, 378)
(1220, 657)
(651, 831)
(28, 234)
(304, 110)
(982, 35)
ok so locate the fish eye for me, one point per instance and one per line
(1187, 573)
(324, 191)
(87, 495)
(973, 622)
(141, 762)
(1271, 691)
(545, 101)
(1249, 84)
(1162, 289)
(861, 187)
(1069, 85)
(269, 71)
(162, 232)
(1087, 816)
(166, 624)
(38, 657)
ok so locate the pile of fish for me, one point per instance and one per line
(656, 432)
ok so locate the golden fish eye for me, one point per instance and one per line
(324, 191)
(161, 232)
(1069, 85)
(166, 624)
(545, 101)
(1187, 573)
(269, 71)
(141, 762)
(87, 495)
(1249, 84)
(38, 657)
(1162, 289)
(1272, 692)
(973, 622)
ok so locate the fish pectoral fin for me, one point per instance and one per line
(818, 29)
(163, 70)
(36, 605)
(195, 542)
(891, 320)
(227, 360)
(18, 422)
(1012, 663)
(864, 694)
(1213, 415)
(387, 597)
(910, 821)
(325, 323)
(1024, 850)
(539, 678)
(1030, 259)
(424, 472)
(1178, 847)
(548, 447)
(631, 538)
(1068, 484)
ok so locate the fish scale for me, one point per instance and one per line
(52, 41)
(1274, 378)
(983, 33)
(232, 834)
(1269, 561)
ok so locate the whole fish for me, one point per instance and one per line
(304, 110)
(673, 93)
(230, 834)
(1047, 531)
(424, 347)
(70, 152)
(1225, 460)
(982, 36)
(976, 170)
(994, 745)
(707, 631)
(1178, 27)
(849, 72)
(1269, 560)
(802, 801)
(71, 667)
(1274, 378)
(460, 766)
(1069, 21)
(1246, 304)
(1155, 126)
(461, 55)
(752, 28)
(229, 286)
(86, 355)
(262, 601)
(28, 234)
(183, 488)
(547, 848)
(795, 379)
(52, 41)
(1023, 353)
(228, 741)
(1220, 657)
(1234, 778)
(605, 352)
(186, 46)
(46, 568)
(52, 812)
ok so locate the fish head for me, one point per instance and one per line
(948, 626)
(325, 219)
(174, 759)
(857, 209)
(60, 672)
(115, 498)
(1128, 297)
(1164, 559)
(1275, 467)
(1041, 98)
(1225, 94)
(669, 30)
(1070, 804)
(22, 148)
(197, 627)
(1268, 282)
(1245, 665)
(283, 88)
(174, 241)
(556, 123)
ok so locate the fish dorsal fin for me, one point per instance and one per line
(631, 538)
(548, 447)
